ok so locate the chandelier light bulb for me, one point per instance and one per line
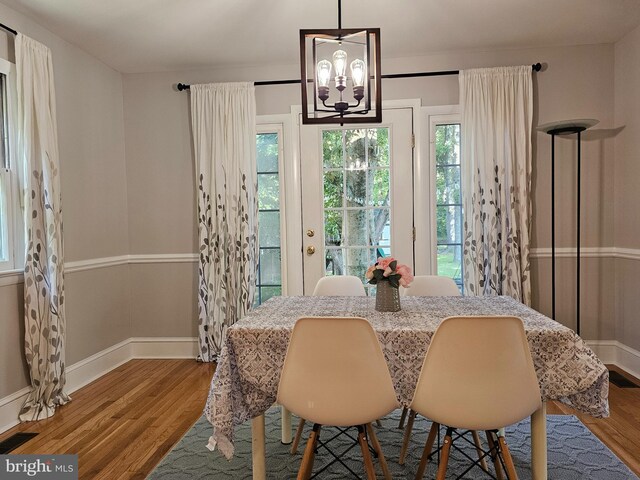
(340, 62)
(324, 73)
(358, 72)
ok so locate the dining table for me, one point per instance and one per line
(245, 382)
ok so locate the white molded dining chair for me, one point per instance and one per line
(477, 375)
(432, 286)
(425, 286)
(340, 285)
(335, 374)
(332, 286)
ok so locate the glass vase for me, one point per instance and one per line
(387, 297)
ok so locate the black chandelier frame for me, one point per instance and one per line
(347, 113)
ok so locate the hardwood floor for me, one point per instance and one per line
(122, 424)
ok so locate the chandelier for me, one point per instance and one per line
(340, 71)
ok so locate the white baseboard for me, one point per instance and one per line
(164, 347)
(91, 368)
(10, 408)
(629, 360)
(615, 353)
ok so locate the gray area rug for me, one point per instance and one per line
(574, 453)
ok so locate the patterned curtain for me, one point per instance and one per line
(44, 268)
(497, 115)
(224, 139)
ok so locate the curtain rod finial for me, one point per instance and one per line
(537, 67)
(183, 86)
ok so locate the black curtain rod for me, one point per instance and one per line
(8, 29)
(536, 67)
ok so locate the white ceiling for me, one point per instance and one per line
(136, 36)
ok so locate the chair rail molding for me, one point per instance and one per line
(12, 277)
(136, 259)
(588, 252)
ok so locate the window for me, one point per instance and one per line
(357, 213)
(8, 186)
(269, 279)
(448, 201)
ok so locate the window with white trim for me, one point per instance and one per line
(268, 163)
(449, 221)
(10, 234)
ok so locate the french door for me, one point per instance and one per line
(357, 196)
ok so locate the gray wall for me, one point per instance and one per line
(627, 194)
(94, 195)
(578, 83)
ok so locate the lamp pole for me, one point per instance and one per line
(566, 127)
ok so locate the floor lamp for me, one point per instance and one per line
(565, 127)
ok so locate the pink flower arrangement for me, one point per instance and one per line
(388, 269)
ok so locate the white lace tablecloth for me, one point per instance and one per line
(245, 383)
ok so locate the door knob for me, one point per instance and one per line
(310, 232)
(311, 250)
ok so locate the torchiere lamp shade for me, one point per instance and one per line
(567, 127)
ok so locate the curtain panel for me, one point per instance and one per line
(224, 139)
(497, 116)
(37, 149)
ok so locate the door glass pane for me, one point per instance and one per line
(378, 147)
(356, 228)
(380, 226)
(334, 261)
(332, 149)
(379, 193)
(333, 188)
(353, 196)
(357, 261)
(355, 148)
(333, 221)
(356, 188)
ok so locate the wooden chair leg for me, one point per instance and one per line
(376, 446)
(306, 466)
(407, 436)
(296, 440)
(378, 423)
(427, 450)
(366, 454)
(403, 417)
(494, 456)
(481, 457)
(508, 460)
(444, 457)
